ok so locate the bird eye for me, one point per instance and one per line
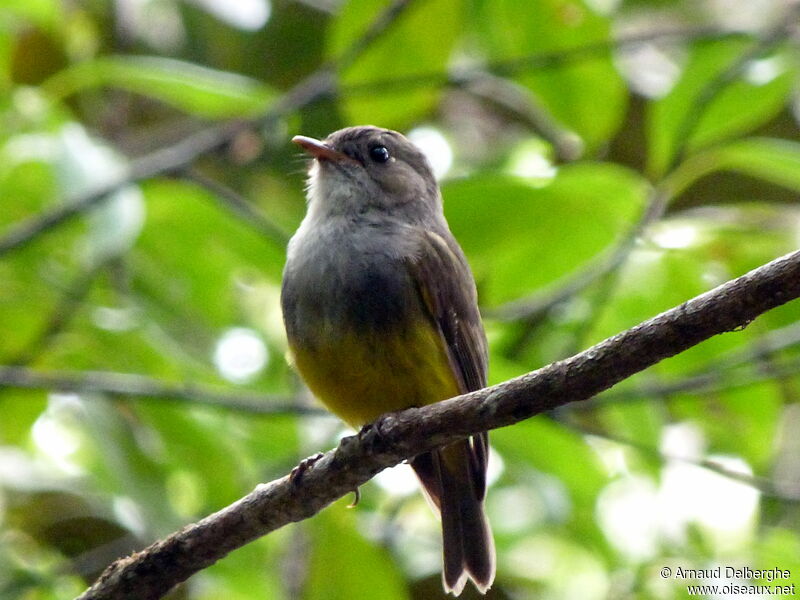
(379, 154)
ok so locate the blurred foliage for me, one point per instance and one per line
(566, 120)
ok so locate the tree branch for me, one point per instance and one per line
(535, 62)
(240, 207)
(124, 384)
(319, 84)
(709, 382)
(164, 160)
(686, 128)
(737, 368)
(762, 484)
(173, 158)
(395, 437)
(531, 308)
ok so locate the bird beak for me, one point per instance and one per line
(320, 150)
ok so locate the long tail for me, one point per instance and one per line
(454, 478)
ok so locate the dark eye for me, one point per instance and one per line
(379, 154)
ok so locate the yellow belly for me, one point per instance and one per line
(360, 377)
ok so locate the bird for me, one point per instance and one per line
(381, 313)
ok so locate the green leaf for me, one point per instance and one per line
(520, 236)
(779, 547)
(558, 451)
(636, 421)
(651, 280)
(122, 464)
(344, 565)
(199, 441)
(774, 160)
(683, 119)
(744, 420)
(249, 572)
(587, 96)
(20, 409)
(39, 272)
(167, 253)
(755, 98)
(186, 86)
(42, 12)
(421, 41)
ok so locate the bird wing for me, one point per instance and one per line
(447, 290)
(454, 477)
(445, 285)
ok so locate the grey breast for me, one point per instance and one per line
(350, 278)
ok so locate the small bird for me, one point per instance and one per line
(381, 314)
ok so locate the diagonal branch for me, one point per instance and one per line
(395, 437)
(530, 308)
(538, 61)
(164, 160)
(764, 485)
(319, 84)
(708, 382)
(239, 206)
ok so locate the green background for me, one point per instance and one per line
(566, 121)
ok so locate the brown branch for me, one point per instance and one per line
(125, 384)
(239, 206)
(395, 437)
(735, 369)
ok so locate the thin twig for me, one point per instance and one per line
(530, 308)
(151, 573)
(762, 484)
(70, 301)
(161, 161)
(519, 103)
(713, 88)
(173, 158)
(377, 28)
(710, 382)
(129, 385)
(318, 85)
(539, 61)
(239, 206)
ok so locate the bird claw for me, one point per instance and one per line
(374, 428)
(305, 464)
(356, 498)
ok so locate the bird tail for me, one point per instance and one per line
(454, 479)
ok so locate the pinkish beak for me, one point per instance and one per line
(320, 150)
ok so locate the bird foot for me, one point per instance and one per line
(305, 464)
